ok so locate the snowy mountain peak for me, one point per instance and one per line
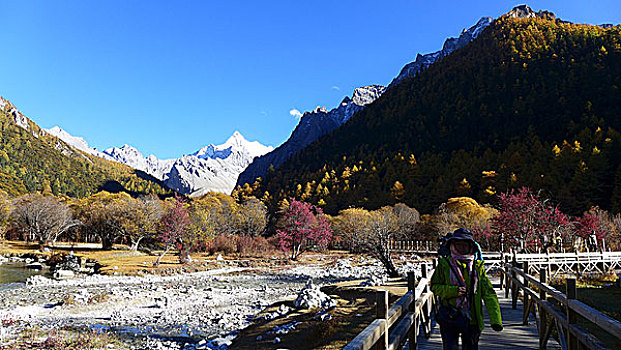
(235, 140)
(76, 142)
(126, 151)
(211, 168)
(367, 94)
(236, 143)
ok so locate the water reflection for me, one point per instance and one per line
(13, 275)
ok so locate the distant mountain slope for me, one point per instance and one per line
(319, 122)
(532, 101)
(312, 125)
(34, 160)
(451, 44)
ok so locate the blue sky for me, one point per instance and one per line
(171, 76)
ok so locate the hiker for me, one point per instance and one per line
(460, 282)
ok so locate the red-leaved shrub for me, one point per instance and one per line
(223, 244)
(254, 246)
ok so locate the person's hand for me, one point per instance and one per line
(462, 291)
(497, 327)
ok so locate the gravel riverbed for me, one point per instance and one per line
(201, 310)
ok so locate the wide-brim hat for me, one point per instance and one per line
(462, 234)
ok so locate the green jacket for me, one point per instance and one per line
(441, 287)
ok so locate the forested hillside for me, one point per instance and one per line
(531, 102)
(33, 161)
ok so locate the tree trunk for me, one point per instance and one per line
(161, 256)
(135, 244)
(386, 259)
(106, 242)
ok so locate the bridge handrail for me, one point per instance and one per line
(565, 320)
(414, 305)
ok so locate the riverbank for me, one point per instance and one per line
(197, 310)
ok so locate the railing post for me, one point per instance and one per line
(514, 289)
(572, 341)
(507, 280)
(502, 277)
(381, 307)
(577, 267)
(411, 281)
(526, 305)
(543, 279)
(413, 332)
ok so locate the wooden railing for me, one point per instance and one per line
(412, 246)
(577, 263)
(555, 310)
(554, 263)
(412, 310)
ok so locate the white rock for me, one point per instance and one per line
(63, 274)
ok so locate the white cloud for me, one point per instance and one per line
(295, 113)
(336, 88)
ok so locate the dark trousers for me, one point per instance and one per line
(469, 339)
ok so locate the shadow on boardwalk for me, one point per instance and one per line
(514, 336)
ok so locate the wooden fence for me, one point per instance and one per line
(412, 246)
(554, 263)
(555, 310)
(412, 310)
(577, 263)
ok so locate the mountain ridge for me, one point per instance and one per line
(532, 101)
(35, 160)
(211, 168)
(325, 123)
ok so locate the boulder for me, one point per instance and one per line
(312, 297)
(63, 274)
(34, 265)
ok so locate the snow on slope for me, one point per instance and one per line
(212, 168)
(76, 142)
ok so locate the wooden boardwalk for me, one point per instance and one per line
(513, 336)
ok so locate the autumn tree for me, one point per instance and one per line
(107, 215)
(380, 230)
(212, 215)
(172, 228)
(145, 213)
(350, 225)
(594, 226)
(252, 217)
(6, 207)
(528, 222)
(466, 212)
(303, 227)
(42, 218)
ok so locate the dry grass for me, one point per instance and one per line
(126, 262)
(123, 261)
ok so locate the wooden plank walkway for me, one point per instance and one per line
(513, 336)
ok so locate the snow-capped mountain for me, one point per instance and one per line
(76, 142)
(450, 45)
(312, 126)
(212, 168)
